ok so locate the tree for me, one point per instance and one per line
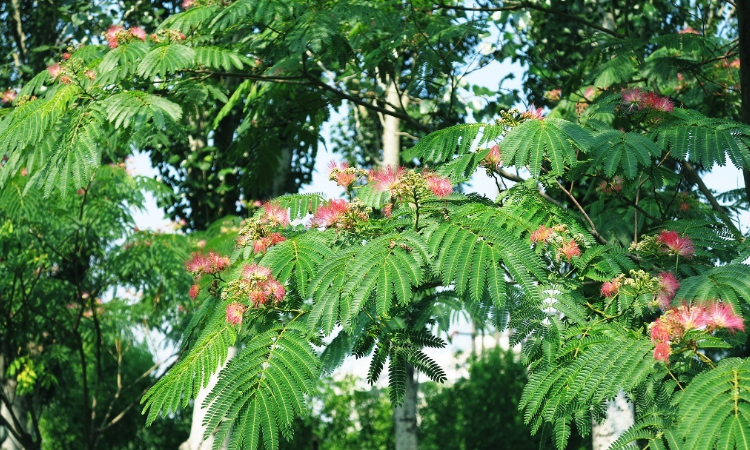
(576, 297)
(68, 342)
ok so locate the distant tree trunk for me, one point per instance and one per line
(405, 415)
(9, 412)
(195, 440)
(620, 417)
(743, 25)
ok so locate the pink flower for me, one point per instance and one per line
(275, 214)
(493, 159)
(553, 95)
(688, 30)
(235, 310)
(8, 96)
(632, 98)
(187, 4)
(276, 289)
(111, 35)
(735, 64)
(258, 297)
(662, 351)
(661, 330)
(388, 210)
(658, 103)
(194, 290)
(676, 244)
(198, 264)
(691, 317)
(340, 175)
(54, 70)
(611, 288)
(541, 234)
(534, 113)
(138, 32)
(569, 249)
(329, 214)
(66, 56)
(439, 186)
(721, 315)
(386, 180)
(255, 272)
(263, 244)
(668, 286)
(90, 74)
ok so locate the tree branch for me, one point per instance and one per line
(720, 211)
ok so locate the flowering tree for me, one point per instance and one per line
(638, 286)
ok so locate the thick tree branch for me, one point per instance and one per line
(743, 22)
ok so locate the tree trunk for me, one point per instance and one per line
(620, 417)
(195, 440)
(743, 25)
(405, 415)
(9, 389)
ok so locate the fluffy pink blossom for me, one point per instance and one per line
(691, 317)
(668, 286)
(276, 214)
(386, 180)
(276, 289)
(676, 244)
(735, 64)
(186, 4)
(662, 351)
(212, 263)
(90, 74)
(194, 290)
(611, 288)
(54, 70)
(658, 103)
(493, 160)
(329, 214)
(388, 210)
(553, 95)
(569, 249)
(8, 96)
(138, 32)
(661, 330)
(263, 244)
(111, 35)
(688, 30)
(66, 56)
(534, 113)
(721, 315)
(439, 186)
(256, 272)
(235, 310)
(541, 234)
(338, 173)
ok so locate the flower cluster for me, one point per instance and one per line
(493, 161)
(340, 214)
(258, 230)
(553, 95)
(671, 327)
(611, 288)
(212, 263)
(117, 34)
(675, 244)
(167, 35)
(200, 264)
(344, 175)
(409, 185)
(668, 286)
(666, 242)
(610, 187)
(560, 238)
(533, 113)
(8, 96)
(255, 284)
(637, 100)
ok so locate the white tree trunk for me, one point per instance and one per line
(620, 417)
(195, 441)
(10, 443)
(391, 136)
(405, 415)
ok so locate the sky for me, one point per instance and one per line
(720, 179)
